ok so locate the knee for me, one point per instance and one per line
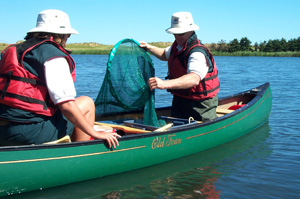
(85, 103)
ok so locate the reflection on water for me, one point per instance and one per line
(194, 176)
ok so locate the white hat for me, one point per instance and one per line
(182, 22)
(53, 21)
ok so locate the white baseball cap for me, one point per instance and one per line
(182, 22)
(53, 21)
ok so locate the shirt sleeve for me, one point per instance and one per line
(168, 52)
(59, 80)
(197, 64)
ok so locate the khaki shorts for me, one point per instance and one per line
(204, 110)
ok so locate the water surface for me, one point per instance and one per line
(263, 164)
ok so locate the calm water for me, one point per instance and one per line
(263, 164)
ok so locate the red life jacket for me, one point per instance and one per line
(209, 86)
(21, 89)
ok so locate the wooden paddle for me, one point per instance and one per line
(134, 130)
(164, 128)
(65, 139)
(124, 128)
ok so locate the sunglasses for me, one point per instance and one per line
(180, 34)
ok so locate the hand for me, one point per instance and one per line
(155, 82)
(111, 138)
(145, 45)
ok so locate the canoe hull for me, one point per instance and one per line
(27, 168)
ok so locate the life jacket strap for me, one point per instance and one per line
(9, 75)
(25, 99)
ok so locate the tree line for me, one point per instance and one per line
(244, 44)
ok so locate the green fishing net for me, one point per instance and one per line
(125, 86)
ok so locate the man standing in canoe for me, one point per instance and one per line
(193, 76)
(37, 93)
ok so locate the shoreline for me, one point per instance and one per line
(93, 48)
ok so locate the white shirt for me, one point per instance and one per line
(197, 62)
(59, 80)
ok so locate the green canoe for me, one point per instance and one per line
(35, 167)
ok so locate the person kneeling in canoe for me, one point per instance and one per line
(193, 76)
(37, 93)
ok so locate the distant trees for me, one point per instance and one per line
(282, 45)
(222, 46)
(244, 44)
(234, 46)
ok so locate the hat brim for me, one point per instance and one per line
(60, 31)
(182, 30)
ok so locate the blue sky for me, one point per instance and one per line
(109, 21)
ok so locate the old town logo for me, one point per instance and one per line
(166, 141)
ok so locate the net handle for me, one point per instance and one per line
(115, 48)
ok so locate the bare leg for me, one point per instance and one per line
(87, 108)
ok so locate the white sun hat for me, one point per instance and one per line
(53, 21)
(182, 22)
